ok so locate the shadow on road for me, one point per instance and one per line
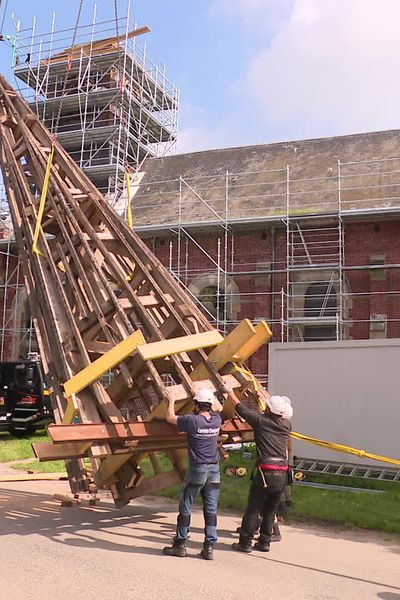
(25, 513)
(388, 596)
(134, 529)
(341, 575)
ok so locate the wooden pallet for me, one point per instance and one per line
(102, 302)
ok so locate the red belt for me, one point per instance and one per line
(267, 467)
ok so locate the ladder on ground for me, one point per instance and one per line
(329, 467)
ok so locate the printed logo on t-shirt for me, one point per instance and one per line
(207, 431)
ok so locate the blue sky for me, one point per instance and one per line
(255, 71)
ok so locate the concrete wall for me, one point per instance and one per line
(347, 392)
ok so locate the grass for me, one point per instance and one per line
(328, 507)
(16, 448)
(312, 505)
(54, 466)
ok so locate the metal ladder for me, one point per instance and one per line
(329, 467)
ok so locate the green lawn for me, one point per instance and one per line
(54, 466)
(328, 507)
(15, 448)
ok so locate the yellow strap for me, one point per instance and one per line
(342, 448)
(42, 203)
(257, 386)
(128, 188)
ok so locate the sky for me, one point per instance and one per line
(259, 71)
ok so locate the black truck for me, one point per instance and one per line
(24, 400)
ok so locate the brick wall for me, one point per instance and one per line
(250, 251)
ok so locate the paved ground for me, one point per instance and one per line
(98, 553)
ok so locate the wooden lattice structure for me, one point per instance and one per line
(103, 303)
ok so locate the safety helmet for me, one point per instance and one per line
(205, 396)
(280, 405)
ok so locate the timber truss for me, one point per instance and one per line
(102, 305)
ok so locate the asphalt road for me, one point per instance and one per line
(52, 553)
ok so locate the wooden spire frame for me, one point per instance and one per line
(102, 302)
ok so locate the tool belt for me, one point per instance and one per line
(272, 463)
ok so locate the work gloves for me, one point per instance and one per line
(225, 389)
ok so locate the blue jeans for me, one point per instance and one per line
(206, 480)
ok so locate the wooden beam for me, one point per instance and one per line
(72, 409)
(117, 432)
(185, 343)
(46, 451)
(110, 465)
(226, 350)
(108, 361)
(97, 46)
(154, 484)
(262, 334)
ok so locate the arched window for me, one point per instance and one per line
(320, 302)
(220, 300)
(215, 303)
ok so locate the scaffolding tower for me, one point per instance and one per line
(113, 107)
(116, 106)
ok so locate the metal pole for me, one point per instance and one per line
(178, 270)
(288, 253)
(339, 330)
(218, 280)
(226, 241)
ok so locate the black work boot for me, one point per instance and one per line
(244, 545)
(178, 548)
(207, 551)
(276, 535)
(263, 544)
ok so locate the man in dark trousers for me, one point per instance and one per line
(271, 435)
(203, 475)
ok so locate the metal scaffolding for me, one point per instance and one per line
(117, 106)
(309, 283)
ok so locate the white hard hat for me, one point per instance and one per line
(205, 396)
(280, 405)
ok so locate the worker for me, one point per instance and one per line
(271, 436)
(203, 475)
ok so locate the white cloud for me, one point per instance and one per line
(255, 14)
(331, 68)
(194, 139)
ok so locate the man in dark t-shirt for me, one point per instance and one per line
(271, 435)
(203, 475)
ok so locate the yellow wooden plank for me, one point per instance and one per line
(225, 351)
(108, 361)
(71, 411)
(186, 343)
(262, 335)
(109, 466)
